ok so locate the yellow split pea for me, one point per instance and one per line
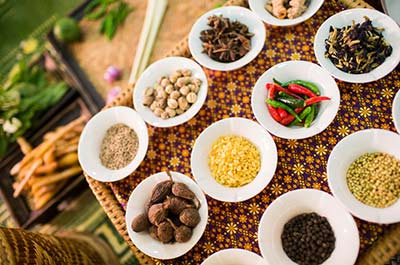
(234, 161)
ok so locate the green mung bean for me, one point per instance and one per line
(374, 179)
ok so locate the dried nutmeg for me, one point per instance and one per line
(161, 191)
(153, 232)
(180, 189)
(189, 217)
(175, 205)
(140, 223)
(182, 234)
(157, 213)
(165, 232)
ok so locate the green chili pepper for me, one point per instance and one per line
(311, 86)
(284, 95)
(277, 104)
(99, 12)
(310, 117)
(276, 81)
(291, 102)
(302, 115)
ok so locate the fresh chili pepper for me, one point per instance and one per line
(291, 102)
(271, 90)
(310, 117)
(311, 86)
(278, 88)
(282, 113)
(284, 95)
(276, 81)
(274, 113)
(290, 118)
(313, 100)
(301, 90)
(302, 115)
(277, 104)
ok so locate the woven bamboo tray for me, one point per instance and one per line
(379, 253)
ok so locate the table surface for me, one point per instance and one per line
(301, 163)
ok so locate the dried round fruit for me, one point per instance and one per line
(161, 191)
(157, 213)
(165, 232)
(140, 223)
(153, 232)
(176, 205)
(183, 234)
(189, 217)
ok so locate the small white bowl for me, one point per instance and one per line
(136, 206)
(302, 201)
(344, 153)
(241, 14)
(258, 7)
(238, 127)
(396, 111)
(165, 67)
(291, 70)
(345, 18)
(92, 137)
(234, 256)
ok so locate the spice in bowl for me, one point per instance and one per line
(357, 49)
(308, 239)
(226, 41)
(119, 146)
(234, 161)
(287, 9)
(172, 95)
(374, 179)
(170, 214)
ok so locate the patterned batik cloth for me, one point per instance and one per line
(301, 163)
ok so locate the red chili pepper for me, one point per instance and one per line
(313, 100)
(301, 90)
(271, 90)
(289, 118)
(274, 113)
(282, 113)
(278, 88)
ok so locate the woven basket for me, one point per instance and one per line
(380, 253)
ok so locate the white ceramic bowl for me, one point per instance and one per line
(396, 111)
(165, 67)
(136, 206)
(344, 153)
(238, 127)
(240, 14)
(302, 201)
(258, 7)
(234, 256)
(345, 18)
(291, 70)
(92, 137)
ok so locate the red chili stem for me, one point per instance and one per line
(301, 90)
(314, 100)
(274, 113)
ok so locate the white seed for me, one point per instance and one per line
(169, 89)
(186, 72)
(171, 112)
(158, 112)
(148, 100)
(165, 82)
(172, 103)
(179, 111)
(183, 104)
(164, 115)
(161, 94)
(175, 95)
(184, 90)
(149, 91)
(191, 97)
(153, 105)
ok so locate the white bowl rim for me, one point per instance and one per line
(382, 70)
(258, 39)
(374, 215)
(110, 175)
(396, 111)
(234, 192)
(319, 193)
(300, 132)
(272, 20)
(147, 115)
(179, 177)
(235, 251)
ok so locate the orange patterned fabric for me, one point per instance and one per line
(301, 163)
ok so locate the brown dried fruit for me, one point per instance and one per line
(147, 206)
(153, 232)
(182, 234)
(181, 190)
(161, 191)
(140, 223)
(189, 217)
(157, 213)
(165, 232)
(175, 205)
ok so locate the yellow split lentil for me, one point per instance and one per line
(234, 161)
(374, 179)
